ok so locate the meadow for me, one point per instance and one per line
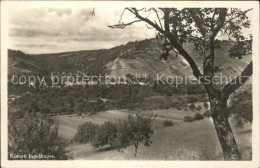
(184, 141)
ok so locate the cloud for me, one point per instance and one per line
(73, 27)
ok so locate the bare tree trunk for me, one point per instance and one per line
(224, 131)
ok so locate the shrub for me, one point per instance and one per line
(85, 133)
(207, 113)
(241, 108)
(192, 99)
(198, 108)
(205, 105)
(104, 135)
(36, 134)
(188, 119)
(122, 136)
(167, 123)
(198, 116)
(192, 107)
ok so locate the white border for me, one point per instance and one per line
(8, 5)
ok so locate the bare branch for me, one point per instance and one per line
(135, 12)
(149, 27)
(155, 11)
(123, 25)
(238, 81)
(121, 16)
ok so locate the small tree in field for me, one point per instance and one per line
(201, 26)
(86, 132)
(105, 135)
(140, 130)
(122, 139)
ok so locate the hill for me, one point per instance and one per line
(134, 57)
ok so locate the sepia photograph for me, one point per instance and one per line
(161, 83)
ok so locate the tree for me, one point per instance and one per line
(201, 27)
(36, 134)
(122, 139)
(104, 135)
(140, 130)
(86, 132)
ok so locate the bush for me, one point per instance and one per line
(85, 133)
(104, 135)
(122, 136)
(205, 105)
(207, 113)
(167, 123)
(192, 99)
(192, 107)
(241, 108)
(188, 119)
(198, 108)
(36, 135)
(198, 116)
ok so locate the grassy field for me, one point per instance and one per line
(183, 141)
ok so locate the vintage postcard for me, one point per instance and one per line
(130, 84)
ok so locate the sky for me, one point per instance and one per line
(53, 30)
(43, 30)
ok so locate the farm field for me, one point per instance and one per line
(184, 141)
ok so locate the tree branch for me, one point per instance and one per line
(123, 25)
(174, 43)
(238, 81)
(157, 16)
(136, 13)
(188, 58)
(198, 20)
(220, 22)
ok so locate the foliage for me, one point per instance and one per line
(104, 135)
(241, 108)
(85, 133)
(167, 123)
(188, 119)
(205, 105)
(207, 113)
(198, 108)
(135, 130)
(192, 107)
(198, 116)
(122, 139)
(36, 134)
(140, 130)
